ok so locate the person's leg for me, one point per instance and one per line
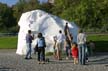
(58, 53)
(43, 54)
(67, 53)
(39, 53)
(75, 60)
(83, 54)
(30, 51)
(86, 54)
(80, 53)
(27, 51)
(54, 54)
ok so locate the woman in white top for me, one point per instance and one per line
(60, 41)
(81, 41)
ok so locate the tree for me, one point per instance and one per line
(6, 17)
(88, 14)
(24, 6)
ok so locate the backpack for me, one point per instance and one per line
(41, 40)
(44, 43)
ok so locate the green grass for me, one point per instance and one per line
(8, 42)
(101, 42)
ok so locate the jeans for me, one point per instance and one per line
(28, 55)
(68, 51)
(82, 53)
(41, 54)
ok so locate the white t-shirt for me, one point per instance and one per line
(60, 38)
(81, 38)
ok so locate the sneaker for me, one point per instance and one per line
(26, 58)
(67, 58)
(30, 58)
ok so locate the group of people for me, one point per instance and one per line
(72, 49)
(40, 47)
(77, 50)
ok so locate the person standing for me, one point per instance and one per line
(66, 30)
(41, 44)
(91, 45)
(67, 47)
(81, 40)
(60, 40)
(68, 40)
(29, 39)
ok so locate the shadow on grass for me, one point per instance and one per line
(101, 46)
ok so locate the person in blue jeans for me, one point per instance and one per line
(81, 40)
(82, 54)
(41, 48)
(29, 39)
(67, 46)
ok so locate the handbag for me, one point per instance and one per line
(36, 48)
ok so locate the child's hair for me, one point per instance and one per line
(74, 43)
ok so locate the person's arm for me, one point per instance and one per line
(85, 38)
(54, 44)
(44, 42)
(65, 45)
(32, 36)
(69, 37)
(77, 39)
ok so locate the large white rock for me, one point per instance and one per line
(40, 21)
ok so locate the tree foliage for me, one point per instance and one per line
(6, 18)
(91, 15)
(88, 14)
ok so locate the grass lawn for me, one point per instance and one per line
(101, 42)
(8, 42)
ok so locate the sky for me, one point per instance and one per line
(12, 2)
(9, 2)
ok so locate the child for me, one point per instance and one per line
(75, 52)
